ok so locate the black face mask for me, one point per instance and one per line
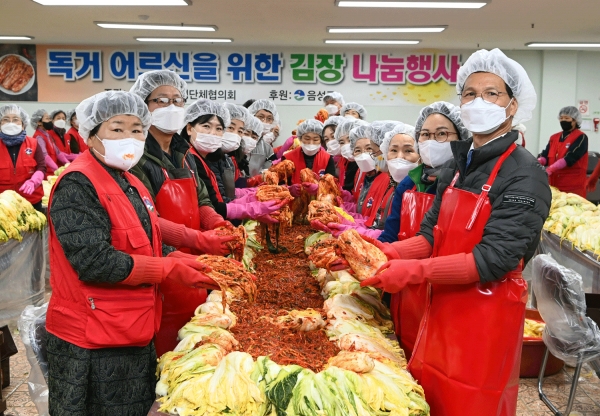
(48, 125)
(215, 156)
(566, 125)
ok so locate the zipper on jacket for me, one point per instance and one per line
(92, 303)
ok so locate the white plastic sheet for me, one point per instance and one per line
(569, 334)
(22, 272)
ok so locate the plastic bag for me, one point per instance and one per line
(569, 333)
(32, 326)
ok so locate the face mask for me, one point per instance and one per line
(566, 125)
(349, 116)
(249, 144)
(169, 119)
(333, 147)
(435, 154)
(267, 127)
(346, 152)
(332, 109)
(399, 168)
(48, 125)
(380, 164)
(310, 149)
(207, 143)
(122, 154)
(60, 124)
(230, 142)
(11, 129)
(365, 162)
(481, 117)
(269, 138)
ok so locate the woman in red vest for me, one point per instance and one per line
(40, 121)
(77, 143)
(107, 259)
(57, 133)
(566, 155)
(310, 154)
(22, 165)
(330, 143)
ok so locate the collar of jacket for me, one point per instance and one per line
(153, 149)
(481, 155)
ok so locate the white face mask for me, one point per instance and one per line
(435, 154)
(207, 142)
(249, 144)
(11, 129)
(310, 149)
(365, 162)
(332, 109)
(399, 168)
(230, 142)
(169, 119)
(481, 117)
(267, 127)
(60, 124)
(269, 137)
(350, 116)
(122, 154)
(346, 152)
(333, 147)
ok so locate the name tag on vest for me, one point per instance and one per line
(519, 200)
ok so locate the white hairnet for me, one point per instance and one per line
(377, 130)
(334, 95)
(255, 125)
(362, 112)
(95, 110)
(450, 111)
(309, 126)
(513, 74)
(237, 112)
(202, 107)
(399, 128)
(264, 105)
(572, 112)
(151, 80)
(333, 121)
(358, 132)
(15, 109)
(55, 112)
(343, 129)
(36, 117)
(70, 115)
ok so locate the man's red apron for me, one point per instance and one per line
(177, 201)
(468, 351)
(408, 306)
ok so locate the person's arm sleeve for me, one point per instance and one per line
(73, 143)
(40, 160)
(351, 170)
(392, 223)
(513, 227)
(139, 173)
(82, 227)
(577, 150)
(206, 194)
(545, 152)
(215, 168)
(42, 145)
(331, 167)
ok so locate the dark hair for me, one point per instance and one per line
(333, 127)
(94, 131)
(58, 112)
(200, 120)
(248, 103)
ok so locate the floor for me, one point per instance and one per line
(557, 387)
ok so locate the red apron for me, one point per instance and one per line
(572, 178)
(408, 306)
(468, 350)
(177, 201)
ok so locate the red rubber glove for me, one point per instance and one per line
(394, 275)
(208, 242)
(224, 223)
(295, 190)
(254, 181)
(318, 225)
(412, 248)
(387, 248)
(310, 188)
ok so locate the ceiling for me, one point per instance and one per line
(506, 24)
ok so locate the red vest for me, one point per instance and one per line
(96, 316)
(73, 134)
(570, 179)
(63, 147)
(12, 177)
(210, 173)
(237, 169)
(297, 156)
(377, 199)
(49, 148)
(342, 165)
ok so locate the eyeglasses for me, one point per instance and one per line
(265, 119)
(439, 136)
(164, 101)
(374, 155)
(489, 96)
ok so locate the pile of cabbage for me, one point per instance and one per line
(17, 215)
(205, 375)
(575, 219)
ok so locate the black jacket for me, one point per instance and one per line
(513, 230)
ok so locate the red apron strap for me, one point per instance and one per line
(455, 179)
(165, 173)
